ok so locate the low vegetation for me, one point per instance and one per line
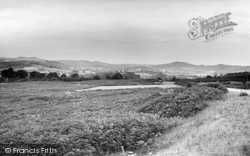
(10, 75)
(181, 102)
(95, 122)
(85, 123)
(243, 94)
(218, 86)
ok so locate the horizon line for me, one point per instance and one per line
(124, 63)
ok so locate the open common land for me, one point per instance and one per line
(149, 121)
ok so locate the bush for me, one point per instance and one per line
(243, 94)
(96, 77)
(218, 86)
(117, 76)
(189, 84)
(181, 102)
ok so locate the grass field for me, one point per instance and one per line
(52, 112)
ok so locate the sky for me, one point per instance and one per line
(121, 31)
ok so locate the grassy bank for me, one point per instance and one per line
(222, 129)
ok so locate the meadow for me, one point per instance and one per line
(101, 122)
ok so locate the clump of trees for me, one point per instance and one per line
(37, 76)
(10, 74)
(117, 76)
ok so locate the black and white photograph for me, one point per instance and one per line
(124, 78)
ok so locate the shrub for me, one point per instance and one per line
(117, 76)
(189, 84)
(243, 94)
(218, 86)
(181, 102)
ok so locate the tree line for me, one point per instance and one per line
(22, 75)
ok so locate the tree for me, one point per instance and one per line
(96, 77)
(52, 75)
(22, 74)
(74, 76)
(8, 73)
(37, 75)
(174, 78)
(63, 76)
(161, 75)
(215, 75)
(159, 79)
(117, 76)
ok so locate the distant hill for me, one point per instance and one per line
(97, 64)
(6, 59)
(184, 67)
(21, 62)
(168, 68)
